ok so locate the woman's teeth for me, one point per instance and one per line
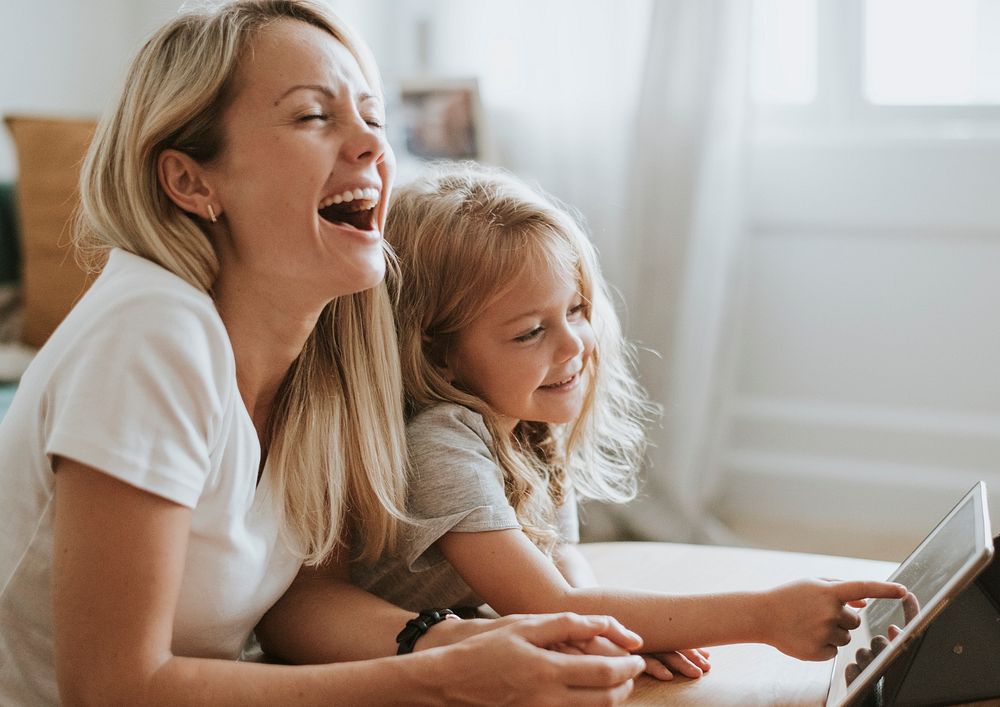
(368, 194)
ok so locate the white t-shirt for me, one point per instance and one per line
(138, 381)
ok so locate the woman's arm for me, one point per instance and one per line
(118, 562)
(321, 616)
(806, 619)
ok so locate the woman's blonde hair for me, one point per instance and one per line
(337, 445)
(461, 232)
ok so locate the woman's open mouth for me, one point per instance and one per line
(355, 208)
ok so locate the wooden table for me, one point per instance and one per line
(746, 674)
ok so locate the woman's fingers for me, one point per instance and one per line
(597, 671)
(598, 645)
(570, 628)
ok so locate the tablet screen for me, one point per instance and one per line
(941, 562)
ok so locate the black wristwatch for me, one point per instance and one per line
(415, 628)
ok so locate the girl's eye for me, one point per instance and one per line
(314, 116)
(578, 310)
(534, 333)
(375, 123)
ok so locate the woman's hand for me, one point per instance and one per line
(511, 664)
(809, 619)
(617, 641)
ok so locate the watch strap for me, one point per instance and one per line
(417, 627)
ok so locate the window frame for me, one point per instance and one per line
(841, 108)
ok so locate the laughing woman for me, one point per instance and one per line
(223, 406)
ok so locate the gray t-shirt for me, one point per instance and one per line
(455, 485)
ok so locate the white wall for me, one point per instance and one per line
(865, 392)
(68, 57)
(60, 57)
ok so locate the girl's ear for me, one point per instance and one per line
(436, 351)
(184, 181)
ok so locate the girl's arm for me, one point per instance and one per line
(118, 561)
(574, 566)
(691, 663)
(807, 619)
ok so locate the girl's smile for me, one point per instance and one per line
(527, 354)
(563, 385)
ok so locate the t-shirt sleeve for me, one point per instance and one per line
(455, 485)
(140, 396)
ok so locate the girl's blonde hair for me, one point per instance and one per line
(335, 428)
(461, 232)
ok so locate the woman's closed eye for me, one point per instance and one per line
(578, 310)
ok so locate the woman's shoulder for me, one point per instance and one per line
(136, 294)
(133, 278)
(138, 313)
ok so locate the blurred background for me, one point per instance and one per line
(798, 201)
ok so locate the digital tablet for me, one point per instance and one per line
(942, 565)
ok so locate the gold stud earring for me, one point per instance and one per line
(211, 214)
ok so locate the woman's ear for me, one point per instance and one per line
(184, 181)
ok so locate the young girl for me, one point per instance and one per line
(519, 397)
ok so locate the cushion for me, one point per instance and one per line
(49, 152)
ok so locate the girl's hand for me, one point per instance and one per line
(691, 663)
(810, 618)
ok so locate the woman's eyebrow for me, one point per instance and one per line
(326, 91)
(320, 88)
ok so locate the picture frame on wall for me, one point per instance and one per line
(442, 118)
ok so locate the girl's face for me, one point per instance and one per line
(526, 354)
(304, 177)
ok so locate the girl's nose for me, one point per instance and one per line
(570, 344)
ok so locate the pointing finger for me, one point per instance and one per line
(852, 591)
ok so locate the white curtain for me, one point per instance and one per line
(633, 112)
(559, 81)
(687, 231)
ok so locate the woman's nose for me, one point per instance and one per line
(366, 144)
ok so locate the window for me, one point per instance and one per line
(855, 62)
(932, 52)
